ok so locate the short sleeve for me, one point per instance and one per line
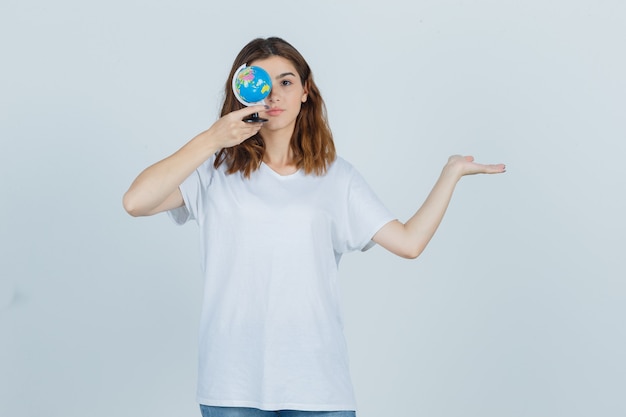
(365, 213)
(193, 190)
(180, 215)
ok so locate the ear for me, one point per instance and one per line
(305, 95)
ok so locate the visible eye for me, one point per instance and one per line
(285, 82)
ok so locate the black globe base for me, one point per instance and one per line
(254, 118)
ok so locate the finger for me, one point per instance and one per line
(495, 168)
(250, 131)
(500, 168)
(249, 110)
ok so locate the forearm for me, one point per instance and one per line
(421, 227)
(156, 188)
(410, 239)
(157, 182)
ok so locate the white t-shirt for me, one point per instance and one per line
(271, 332)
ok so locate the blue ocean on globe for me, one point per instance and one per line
(252, 84)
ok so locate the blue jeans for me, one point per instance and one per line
(210, 411)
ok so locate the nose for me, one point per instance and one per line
(272, 97)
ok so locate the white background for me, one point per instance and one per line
(518, 306)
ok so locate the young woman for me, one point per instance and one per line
(277, 209)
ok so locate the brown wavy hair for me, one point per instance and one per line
(311, 142)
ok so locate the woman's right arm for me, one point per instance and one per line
(156, 188)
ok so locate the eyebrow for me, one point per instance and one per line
(284, 74)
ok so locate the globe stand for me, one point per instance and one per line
(251, 85)
(254, 118)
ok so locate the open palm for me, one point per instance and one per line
(465, 165)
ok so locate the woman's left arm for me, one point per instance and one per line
(409, 240)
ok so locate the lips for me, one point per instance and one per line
(274, 112)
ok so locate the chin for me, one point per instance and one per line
(276, 125)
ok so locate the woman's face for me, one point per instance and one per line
(286, 97)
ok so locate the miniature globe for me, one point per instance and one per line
(251, 84)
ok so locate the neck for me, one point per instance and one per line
(278, 154)
(277, 146)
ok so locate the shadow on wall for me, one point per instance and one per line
(9, 296)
